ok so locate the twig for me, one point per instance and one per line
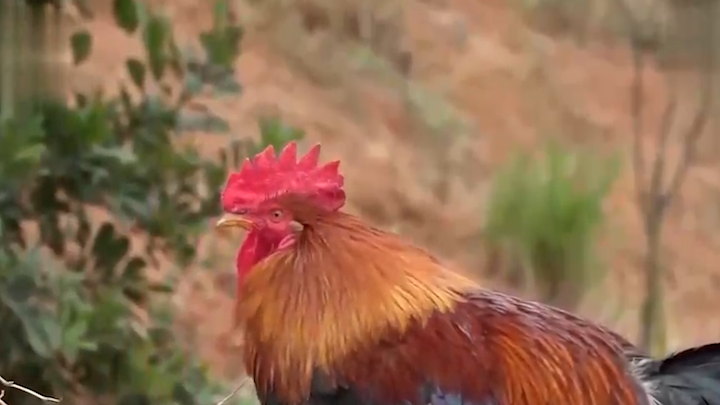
(654, 196)
(700, 119)
(11, 384)
(235, 391)
(637, 93)
(655, 192)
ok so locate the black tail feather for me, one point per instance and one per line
(689, 377)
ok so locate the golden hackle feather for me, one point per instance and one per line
(375, 312)
(338, 291)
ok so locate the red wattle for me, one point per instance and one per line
(247, 256)
(253, 250)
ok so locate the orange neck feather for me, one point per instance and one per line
(343, 286)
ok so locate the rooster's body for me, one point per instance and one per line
(336, 312)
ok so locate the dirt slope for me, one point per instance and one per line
(501, 86)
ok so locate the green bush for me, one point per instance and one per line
(545, 214)
(72, 291)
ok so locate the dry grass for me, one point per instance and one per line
(321, 36)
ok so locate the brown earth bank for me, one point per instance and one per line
(482, 85)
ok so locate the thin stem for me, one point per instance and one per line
(701, 118)
(235, 391)
(637, 98)
(11, 384)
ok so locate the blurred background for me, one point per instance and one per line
(562, 150)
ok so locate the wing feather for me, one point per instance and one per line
(495, 349)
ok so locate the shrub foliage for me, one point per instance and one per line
(545, 214)
(79, 313)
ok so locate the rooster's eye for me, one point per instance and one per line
(241, 211)
(277, 214)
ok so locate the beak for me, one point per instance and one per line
(296, 226)
(233, 221)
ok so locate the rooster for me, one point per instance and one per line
(337, 312)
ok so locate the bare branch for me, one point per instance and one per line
(11, 384)
(644, 38)
(694, 131)
(655, 197)
(636, 95)
(242, 383)
(700, 120)
(658, 171)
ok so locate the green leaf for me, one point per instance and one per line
(221, 12)
(41, 330)
(161, 287)
(83, 232)
(194, 121)
(112, 254)
(43, 333)
(193, 83)
(228, 86)
(221, 43)
(178, 62)
(32, 153)
(124, 155)
(81, 44)
(18, 289)
(126, 15)
(156, 36)
(103, 238)
(133, 269)
(133, 280)
(136, 70)
(73, 339)
(108, 250)
(274, 132)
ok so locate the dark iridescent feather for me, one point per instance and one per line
(689, 377)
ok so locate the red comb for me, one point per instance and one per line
(266, 176)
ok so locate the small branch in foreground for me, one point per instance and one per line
(10, 384)
(243, 382)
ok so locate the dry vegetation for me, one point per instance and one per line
(423, 100)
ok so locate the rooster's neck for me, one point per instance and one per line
(344, 285)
